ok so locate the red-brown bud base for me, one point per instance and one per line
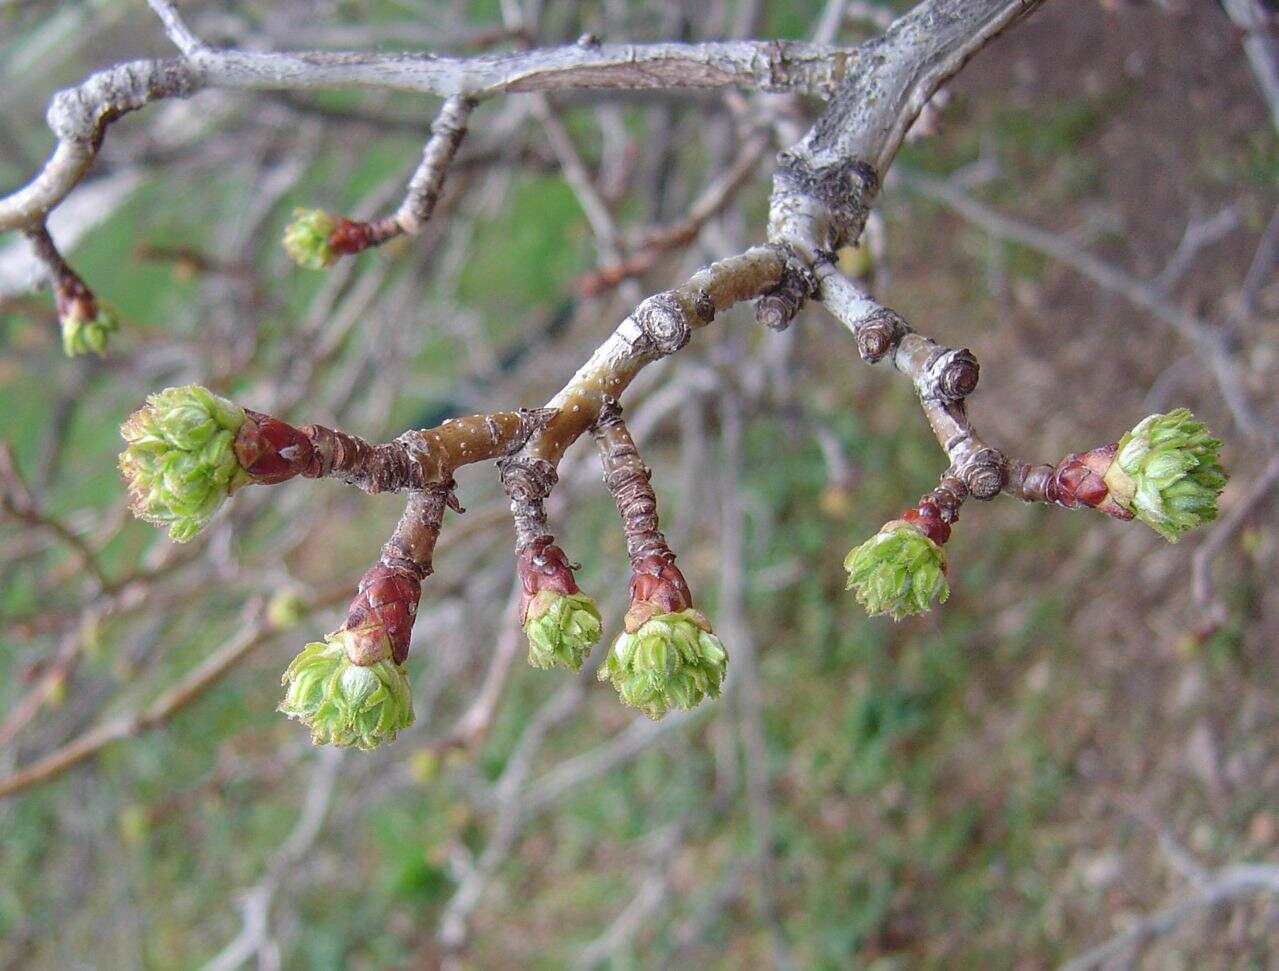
(353, 236)
(271, 450)
(541, 565)
(657, 587)
(379, 622)
(1078, 481)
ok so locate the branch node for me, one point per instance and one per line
(818, 209)
(985, 473)
(662, 320)
(952, 374)
(527, 479)
(878, 334)
(778, 307)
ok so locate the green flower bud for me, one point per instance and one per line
(898, 571)
(670, 661)
(1167, 471)
(285, 608)
(306, 239)
(345, 704)
(561, 629)
(82, 334)
(180, 462)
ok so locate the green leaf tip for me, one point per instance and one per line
(1167, 471)
(899, 571)
(343, 703)
(670, 661)
(82, 334)
(561, 628)
(306, 239)
(180, 462)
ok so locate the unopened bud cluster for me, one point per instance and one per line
(344, 703)
(180, 462)
(315, 239)
(86, 325)
(1167, 472)
(899, 571)
(306, 239)
(562, 623)
(671, 660)
(667, 656)
(561, 629)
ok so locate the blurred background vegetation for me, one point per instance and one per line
(1069, 744)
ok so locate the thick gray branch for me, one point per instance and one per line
(827, 181)
(890, 79)
(79, 115)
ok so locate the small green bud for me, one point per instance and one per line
(898, 571)
(285, 608)
(345, 704)
(180, 462)
(1168, 472)
(82, 334)
(306, 239)
(561, 629)
(669, 661)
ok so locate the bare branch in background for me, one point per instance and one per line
(1229, 885)
(257, 900)
(1208, 341)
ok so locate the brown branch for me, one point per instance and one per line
(473, 725)
(196, 682)
(353, 236)
(54, 674)
(627, 479)
(1210, 342)
(80, 116)
(257, 633)
(659, 326)
(16, 500)
(1230, 524)
(187, 261)
(943, 378)
(1227, 886)
(71, 295)
(658, 242)
(272, 451)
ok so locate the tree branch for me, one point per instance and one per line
(79, 116)
(1231, 885)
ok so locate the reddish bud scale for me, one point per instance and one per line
(1078, 481)
(72, 298)
(352, 236)
(541, 565)
(657, 587)
(927, 517)
(658, 581)
(271, 450)
(383, 611)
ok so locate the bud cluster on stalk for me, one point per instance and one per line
(306, 239)
(1167, 472)
(562, 623)
(667, 656)
(315, 239)
(86, 324)
(899, 571)
(344, 703)
(352, 688)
